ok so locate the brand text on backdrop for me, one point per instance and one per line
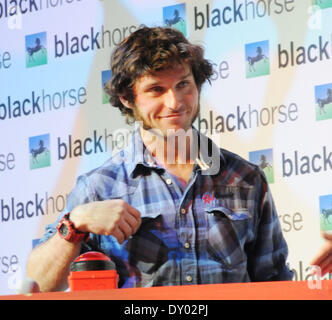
(238, 11)
(10, 8)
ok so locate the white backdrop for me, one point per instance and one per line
(55, 124)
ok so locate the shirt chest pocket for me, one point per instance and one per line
(149, 248)
(228, 229)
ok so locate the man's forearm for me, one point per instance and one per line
(49, 263)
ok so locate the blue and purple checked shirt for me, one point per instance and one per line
(221, 227)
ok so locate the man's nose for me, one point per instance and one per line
(172, 101)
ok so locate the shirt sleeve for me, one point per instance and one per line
(267, 255)
(79, 195)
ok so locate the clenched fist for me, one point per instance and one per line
(108, 217)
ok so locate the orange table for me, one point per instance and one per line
(283, 290)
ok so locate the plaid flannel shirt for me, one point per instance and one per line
(222, 227)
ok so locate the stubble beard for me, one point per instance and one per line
(143, 124)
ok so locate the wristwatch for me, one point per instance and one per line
(67, 231)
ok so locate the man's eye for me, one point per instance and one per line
(157, 89)
(183, 84)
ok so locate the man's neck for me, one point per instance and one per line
(175, 152)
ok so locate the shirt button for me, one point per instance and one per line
(169, 181)
(183, 211)
(187, 245)
(189, 278)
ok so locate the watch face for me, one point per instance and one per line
(64, 230)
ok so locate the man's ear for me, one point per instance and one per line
(125, 102)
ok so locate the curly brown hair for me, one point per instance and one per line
(148, 50)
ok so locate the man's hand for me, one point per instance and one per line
(109, 217)
(323, 259)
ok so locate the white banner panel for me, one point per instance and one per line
(270, 101)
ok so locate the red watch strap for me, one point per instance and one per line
(73, 235)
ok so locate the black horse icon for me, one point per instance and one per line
(38, 47)
(40, 150)
(264, 164)
(326, 213)
(252, 60)
(323, 102)
(176, 18)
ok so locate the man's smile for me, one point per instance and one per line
(173, 115)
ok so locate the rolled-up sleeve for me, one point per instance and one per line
(79, 195)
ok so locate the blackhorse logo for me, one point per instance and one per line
(174, 16)
(36, 52)
(323, 97)
(264, 159)
(105, 77)
(257, 59)
(39, 147)
(325, 205)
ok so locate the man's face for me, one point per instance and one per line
(167, 100)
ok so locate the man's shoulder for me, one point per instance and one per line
(230, 162)
(111, 179)
(241, 168)
(232, 158)
(116, 164)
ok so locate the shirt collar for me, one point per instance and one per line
(136, 154)
(210, 158)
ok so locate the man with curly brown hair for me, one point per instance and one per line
(171, 208)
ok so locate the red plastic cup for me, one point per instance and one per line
(92, 271)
